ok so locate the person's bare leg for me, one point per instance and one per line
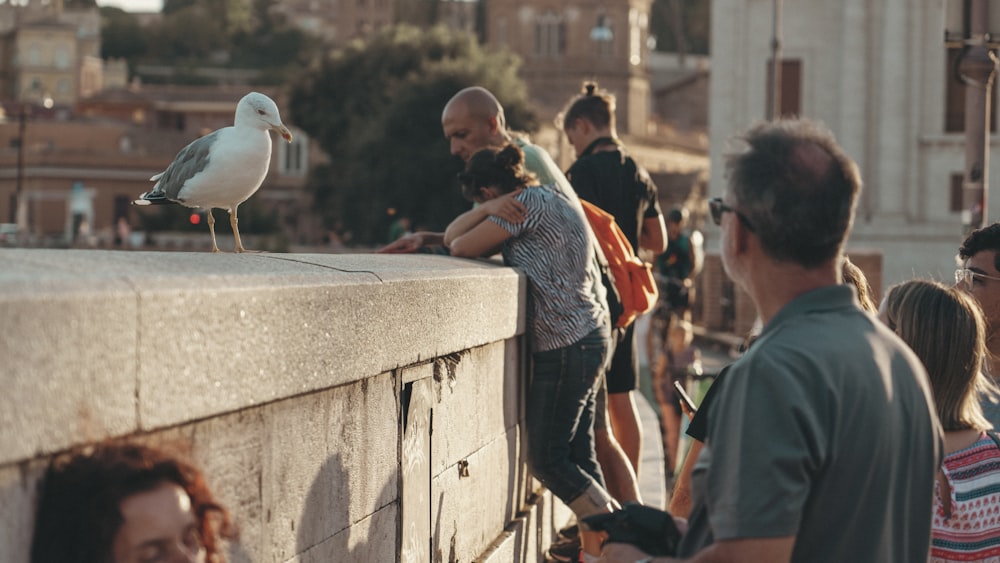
(592, 541)
(618, 473)
(671, 435)
(624, 418)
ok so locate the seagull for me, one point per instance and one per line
(224, 168)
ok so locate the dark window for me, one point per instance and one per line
(171, 120)
(791, 86)
(956, 192)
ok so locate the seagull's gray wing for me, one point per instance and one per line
(191, 160)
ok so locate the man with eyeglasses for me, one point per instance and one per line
(822, 442)
(980, 276)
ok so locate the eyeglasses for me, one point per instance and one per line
(716, 208)
(966, 276)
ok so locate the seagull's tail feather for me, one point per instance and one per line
(153, 198)
(157, 177)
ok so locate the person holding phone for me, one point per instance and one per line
(678, 361)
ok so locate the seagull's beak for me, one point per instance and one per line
(283, 131)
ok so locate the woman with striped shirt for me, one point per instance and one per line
(945, 327)
(567, 315)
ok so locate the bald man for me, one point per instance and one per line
(473, 120)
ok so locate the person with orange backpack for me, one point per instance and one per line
(606, 176)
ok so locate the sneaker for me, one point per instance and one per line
(567, 550)
(570, 532)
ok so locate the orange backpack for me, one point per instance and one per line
(631, 278)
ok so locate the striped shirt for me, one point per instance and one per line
(552, 249)
(972, 533)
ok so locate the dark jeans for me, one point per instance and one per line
(560, 415)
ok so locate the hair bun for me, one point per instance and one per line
(589, 88)
(509, 156)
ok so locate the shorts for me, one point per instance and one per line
(623, 375)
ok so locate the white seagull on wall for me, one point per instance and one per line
(224, 168)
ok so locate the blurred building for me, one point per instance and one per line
(880, 75)
(47, 52)
(84, 122)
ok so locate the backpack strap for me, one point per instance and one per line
(996, 439)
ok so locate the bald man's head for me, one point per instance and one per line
(472, 120)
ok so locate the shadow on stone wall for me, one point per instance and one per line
(319, 537)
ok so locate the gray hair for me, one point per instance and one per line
(797, 188)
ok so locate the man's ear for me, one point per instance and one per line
(494, 124)
(486, 193)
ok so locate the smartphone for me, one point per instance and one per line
(684, 398)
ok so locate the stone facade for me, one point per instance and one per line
(876, 73)
(562, 45)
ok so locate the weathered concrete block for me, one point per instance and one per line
(470, 389)
(68, 364)
(487, 477)
(332, 462)
(372, 539)
(231, 450)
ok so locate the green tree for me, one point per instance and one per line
(375, 108)
(272, 45)
(121, 35)
(190, 33)
(691, 18)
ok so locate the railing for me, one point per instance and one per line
(344, 407)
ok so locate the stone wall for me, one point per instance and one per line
(344, 407)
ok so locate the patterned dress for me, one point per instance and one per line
(972, 533)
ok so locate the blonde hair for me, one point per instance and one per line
(855, 276)
(945, 328)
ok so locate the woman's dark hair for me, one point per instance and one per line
(501, 168)
(79, 511)
(596, 106)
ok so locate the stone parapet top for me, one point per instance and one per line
(107, 343)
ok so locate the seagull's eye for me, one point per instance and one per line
(261, 112)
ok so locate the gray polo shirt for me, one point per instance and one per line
(825, 430)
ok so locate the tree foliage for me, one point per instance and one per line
(121, 35)
(695, 24)
(375, 108)
(223, 33)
